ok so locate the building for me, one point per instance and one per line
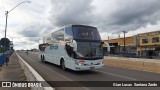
(149, 44)
(145, 45)
(117, 45)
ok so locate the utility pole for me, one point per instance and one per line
(124, 48)
(7, 12)
(6, 22)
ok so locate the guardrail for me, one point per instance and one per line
(152, 65)
(133, 55)
(32, 75)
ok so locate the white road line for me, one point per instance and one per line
(98, 71)
(95, 70)
(116, 75)
(58, 73)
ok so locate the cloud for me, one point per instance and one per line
(36, 29)
(25, 45)
(110, 15)
(131, 15)
(64, 12)
(30, 21)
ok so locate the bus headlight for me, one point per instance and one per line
(79, 63)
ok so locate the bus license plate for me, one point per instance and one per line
(92, 68)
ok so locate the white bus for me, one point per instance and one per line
(76, 47)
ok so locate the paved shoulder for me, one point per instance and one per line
(12, 72)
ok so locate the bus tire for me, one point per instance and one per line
(63, 65)
(43, 59)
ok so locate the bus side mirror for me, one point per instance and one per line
(68, 43)
(74, 45)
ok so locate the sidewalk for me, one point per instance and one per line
(150, 65)
(12, 72)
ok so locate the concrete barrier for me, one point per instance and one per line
(134, 63)
(32, 75)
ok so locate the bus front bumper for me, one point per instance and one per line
(88, 67)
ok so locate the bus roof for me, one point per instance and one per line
(70, 25)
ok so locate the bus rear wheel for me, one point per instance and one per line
(63, 65)
(43, 59)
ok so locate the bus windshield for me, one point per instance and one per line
(85, 32)
(89, 50)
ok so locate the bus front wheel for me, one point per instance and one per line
(63, 65)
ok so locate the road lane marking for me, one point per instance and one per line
(95, 70)
(116, 75)
(57, 73)
(51, 70)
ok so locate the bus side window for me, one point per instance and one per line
(58, 36)
(68, 34)
(68, 39)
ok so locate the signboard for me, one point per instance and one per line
(54, 47)
(4, 42)
(147, 49)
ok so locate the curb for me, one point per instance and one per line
(32, 75)
(137, 64)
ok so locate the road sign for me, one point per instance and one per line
(5, 42)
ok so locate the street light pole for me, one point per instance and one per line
(5, 48)
(7, 12)
(6, 22)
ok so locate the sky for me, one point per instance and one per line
(30, 21)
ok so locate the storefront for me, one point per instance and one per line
(149, 45)
(150, 52)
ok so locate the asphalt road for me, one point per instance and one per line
(51, 72)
